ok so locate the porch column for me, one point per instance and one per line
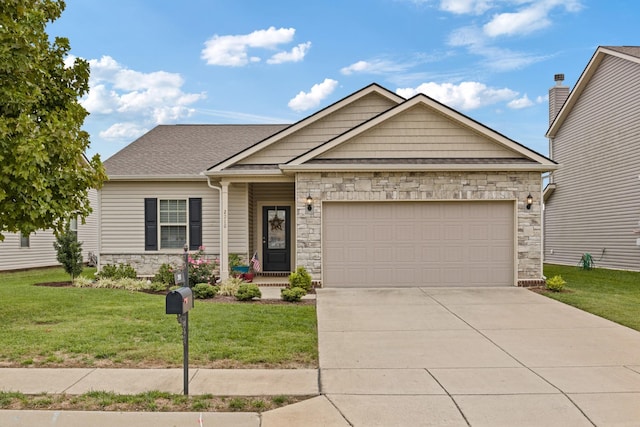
(224, 233)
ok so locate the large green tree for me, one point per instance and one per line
(44, 175)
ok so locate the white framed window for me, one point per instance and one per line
(173, 223)
(24, 241)
(73, 226)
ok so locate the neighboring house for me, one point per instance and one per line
(374, 190)
(19, 252)
(592, 202)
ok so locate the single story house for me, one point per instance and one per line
(374, 190)
(19, 252)
(592, 203)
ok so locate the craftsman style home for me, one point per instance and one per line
(592, 202)
(373, 190)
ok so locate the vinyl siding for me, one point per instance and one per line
(597, 201)
(322, 130)
(419, 133)
(122, 213)
(238, 219)
(40, 252)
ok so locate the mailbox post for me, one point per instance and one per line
(179, 302)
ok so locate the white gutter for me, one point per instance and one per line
(219, 225)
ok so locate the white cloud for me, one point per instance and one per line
(135, 100)
(304, 101)
(295, 55)
(123, 131)
(232, 50)
(519, 103)
(533, 17)
(376, 66)
(477, 7)
(464, 96)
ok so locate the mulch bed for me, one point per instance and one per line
(218, 299)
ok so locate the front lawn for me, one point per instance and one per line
(74, 327)
(612, 294)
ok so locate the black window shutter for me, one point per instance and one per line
(150, 224)
(195, 223)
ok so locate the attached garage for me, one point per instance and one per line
(427, 243)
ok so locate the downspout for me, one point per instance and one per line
(220, 224)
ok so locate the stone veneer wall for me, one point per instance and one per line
(389, 186)
(148, 264)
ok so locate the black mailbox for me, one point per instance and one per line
(179, 301)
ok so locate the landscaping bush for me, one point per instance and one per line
(300, 279)
(165, 275)
(82, 282)
(201, 269)
(121, 271)
(556, 283)
(230, 286)
(294, 294)
(158, 287)
(247, 292)
(204, 291)
(69, 253)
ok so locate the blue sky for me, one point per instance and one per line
(238, 61)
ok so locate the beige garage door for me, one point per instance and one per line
(400, 244)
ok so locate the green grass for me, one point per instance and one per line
(47, 326)
(152, 401)
(612, 294)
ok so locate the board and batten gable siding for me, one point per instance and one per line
(122, 213)
(41, 252)
(597, 201)
(419, 133)
(322, 130)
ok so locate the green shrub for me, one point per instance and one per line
(300, 279)
(247, 292)
(121, 271)
(556, 283)
(69, 252)
(165, 275)
(82, 282)
(158, 287)
(294, 294)
(204, 291)
(201, 268)
(230, 286)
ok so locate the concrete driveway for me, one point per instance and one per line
(478, 357)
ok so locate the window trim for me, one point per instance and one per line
(24, 238)
(152, 225)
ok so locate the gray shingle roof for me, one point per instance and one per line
(174, 150)
(627, 50)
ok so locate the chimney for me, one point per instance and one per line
(558, 94)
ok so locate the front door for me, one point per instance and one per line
(276, 241)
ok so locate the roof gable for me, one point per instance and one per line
(437, 131)
(629, 53)
(308, 122)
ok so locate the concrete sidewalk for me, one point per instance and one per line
(403, 357)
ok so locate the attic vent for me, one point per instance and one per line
(558, 77)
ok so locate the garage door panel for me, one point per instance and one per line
(418, 244)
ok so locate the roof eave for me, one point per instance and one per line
(581, 84)
(198, 177)
(537, 167)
